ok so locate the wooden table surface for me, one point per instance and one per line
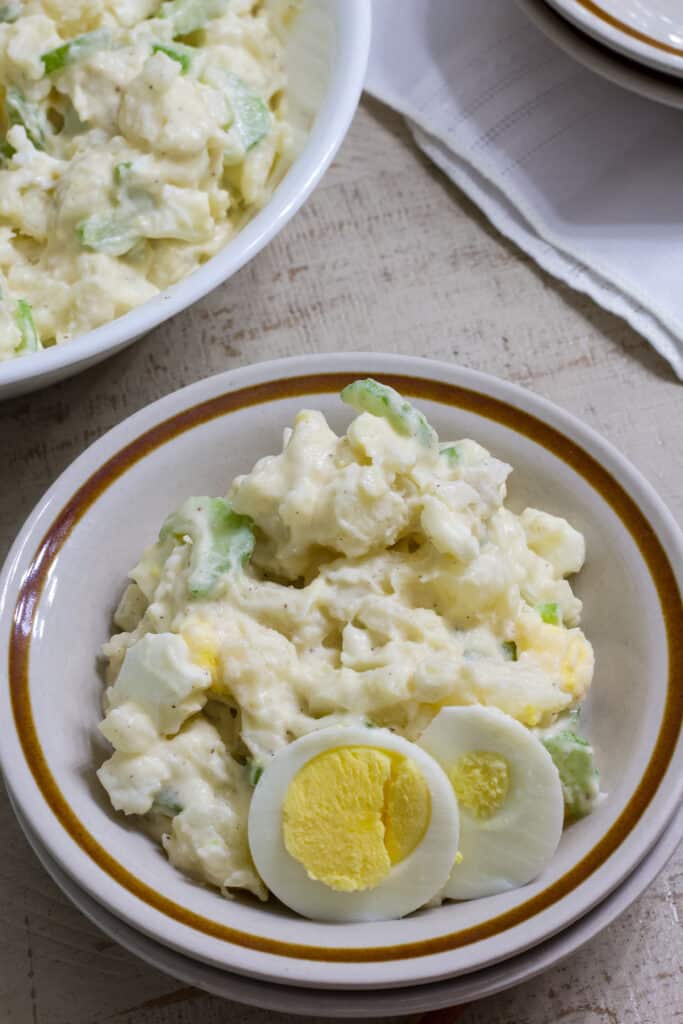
(387, 255)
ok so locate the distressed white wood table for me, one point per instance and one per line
(388, 256)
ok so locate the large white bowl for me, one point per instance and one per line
(326, 60)
(66, 571)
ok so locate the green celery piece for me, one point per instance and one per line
(509, 650)
(189, 15)
(550, 613)
(113, 232)
(122, 172)
(380, 400)
(30, 342)
(254, 771)
(22, 111)
(183, 55)
(222, 540)
(9, 12)
(251, 115)
(75, 50)
(166, 802)
(453, 453)
(573, 758)
(104, 232)
(7, 151)
(127, 187)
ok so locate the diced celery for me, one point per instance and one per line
(550, 613)
(22, 111)
(183, 55)
(254, 771)
(122, 172)
(574, 760)
(7, 151)
(453, 453)
(118, 231)
(131, 188)
(75, 50)
(104, 232)
(252, 118)
(509, 650)
(380, 400)
(10, 12)
(222, 540)
(189, 15)
(30, 342)
(166, 802)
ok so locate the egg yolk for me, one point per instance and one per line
(201, 640)
(558, 651)
(350, 814)
(574, 667)
(481, 780)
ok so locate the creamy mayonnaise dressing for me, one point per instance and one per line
(374, 577)
(136, 138)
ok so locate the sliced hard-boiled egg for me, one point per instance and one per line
(351, 823)
(509, 795)
(564, 654)
(159, 679)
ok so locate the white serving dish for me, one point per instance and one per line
(636, 78)
(382, 1002)
(66, 570)
(649, 32)
(326, 61)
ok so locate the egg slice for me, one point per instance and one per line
(351, 823)
(509, 796)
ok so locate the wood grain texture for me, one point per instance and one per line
(386, 256)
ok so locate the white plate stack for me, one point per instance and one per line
(64, 575)
(365, 1004)
(638, 46)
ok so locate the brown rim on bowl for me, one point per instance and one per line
(628, 30)
(463, 398)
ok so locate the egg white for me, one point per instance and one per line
(516, 842)
(410, 884)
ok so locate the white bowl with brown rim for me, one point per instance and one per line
(65, 574)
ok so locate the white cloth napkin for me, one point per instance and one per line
(585, 177)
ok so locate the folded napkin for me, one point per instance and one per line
(585, 177)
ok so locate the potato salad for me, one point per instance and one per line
(354, 681)
(136, 138)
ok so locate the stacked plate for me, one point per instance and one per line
(638, 45)
(62, 579)
(371, 1003)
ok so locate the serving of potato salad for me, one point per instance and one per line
(354, 683)
(136, 138)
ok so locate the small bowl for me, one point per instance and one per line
(326, 58)
(66, 571)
